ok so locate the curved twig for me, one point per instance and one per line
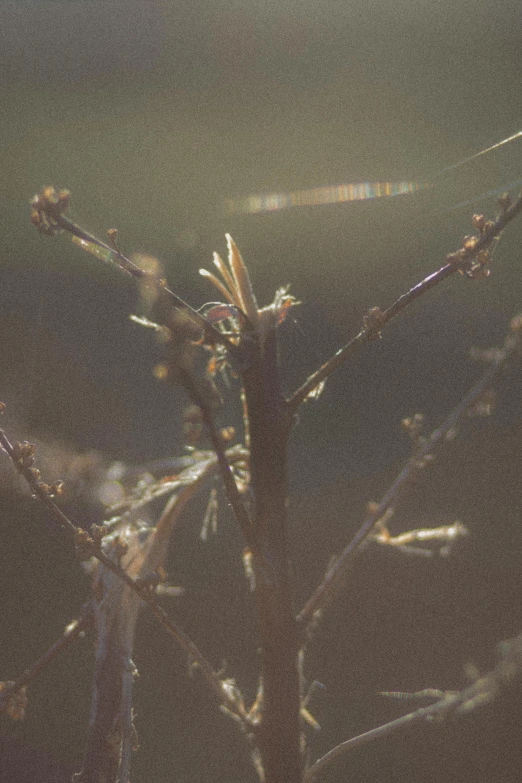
(506, 674)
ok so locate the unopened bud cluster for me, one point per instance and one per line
(46, 207)
(474, 265)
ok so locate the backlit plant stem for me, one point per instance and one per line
(278, 732)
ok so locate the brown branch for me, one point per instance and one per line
(115, 608)
(333, 580)
(505, 676)
(48, 208)
(48, 215)
(71, 632)
(376, 319)
(232, 491)
(90, 547)
(278, 718)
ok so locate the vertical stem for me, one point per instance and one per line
(279, 731)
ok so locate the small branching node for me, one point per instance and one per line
(255, 712)
(505, 202)
(22, 456)
(98, 533)
(112, 236)
(315, 393)
(149, 581)
(414, 427)
(445, 534)
(483, 405)
(306, 715)
(472, 262)
(234, 698)
(372, 507)
(83, 544)
(373, 323)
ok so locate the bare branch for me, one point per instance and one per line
(92, 547)
(48, 214)
(376, 320)
(71, 632)
(325, 593)
(506, 675)
(233, 494)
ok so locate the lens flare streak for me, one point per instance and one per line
(352, 191)
(334, 194)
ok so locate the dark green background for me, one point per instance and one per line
(153, 114)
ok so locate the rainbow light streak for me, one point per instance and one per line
(353, 191)
(334, 194)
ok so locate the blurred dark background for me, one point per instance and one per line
(153, 114)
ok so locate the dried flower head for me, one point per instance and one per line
(233, 282)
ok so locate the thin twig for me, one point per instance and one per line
(234, 497)
(126, 265)
(333, 579)
(115, 607)
(48, 215)
(372, 329)
(506, 674)
(90, 548)
(71, 632)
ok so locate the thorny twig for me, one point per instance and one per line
(376, 320)
(326, 591)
